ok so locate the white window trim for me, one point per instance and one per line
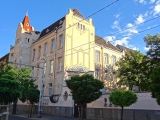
(52, 45)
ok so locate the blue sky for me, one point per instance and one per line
(121, 15)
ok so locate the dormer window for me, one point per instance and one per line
(60, 22)
(47, 30)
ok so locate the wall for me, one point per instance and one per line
(144, 102)
(115, 114)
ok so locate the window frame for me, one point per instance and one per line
(49, 89)
(106, 58)
(97, 74)
(45, 66)
(39, 51)
(97, 56)
(51, 66)
(113, 59)
(34, 53)
(59, 64)
(52, 45)
(45, 48)
(60, 41)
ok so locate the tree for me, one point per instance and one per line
(153, 44)
(84, 89)
(30, 91)
(122, 98)
(155, 83)
(10, 88)
(33, 96)
(131, 70)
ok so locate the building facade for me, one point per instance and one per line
(68, 46)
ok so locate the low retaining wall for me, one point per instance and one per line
(128, 114)
(93, 113)
(49, 110)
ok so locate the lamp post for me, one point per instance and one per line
(41, 91)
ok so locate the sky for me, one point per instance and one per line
(122, 15)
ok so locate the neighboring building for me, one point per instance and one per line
(4, 59)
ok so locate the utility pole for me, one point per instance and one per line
(41, 91)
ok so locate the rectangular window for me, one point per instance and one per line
(37, 70)
(44, 67)
(97, 73)
(59, 64)
(51, 66)
(45, 48)
(50, 89)
(12, 57)
(105, 58)
(52, 45)
(60, 41)
(32, 71)
(97, 56)
(34, 51)
(113, 60)
(39, 51)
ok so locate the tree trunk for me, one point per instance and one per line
(1, 112)
(14, 107)
(122, 114)
(31, 111)
(81, 112)
(84, 110)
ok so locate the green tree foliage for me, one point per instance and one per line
(84, 89)
(153, 54)
(122, 98)
(155, 83)
(131, 70)
(153, 44)
(30, 91)
(10, 87)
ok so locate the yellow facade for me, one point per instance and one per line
(69, 46)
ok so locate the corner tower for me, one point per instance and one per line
(26, 24)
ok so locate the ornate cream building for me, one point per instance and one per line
(68, 46)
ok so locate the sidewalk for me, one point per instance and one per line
(44, 117)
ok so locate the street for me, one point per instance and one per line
(45, 117)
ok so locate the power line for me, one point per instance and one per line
(79, 21)
(133, 26)
(114, 40)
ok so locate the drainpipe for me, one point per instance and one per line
(102, 61)
(55, 59)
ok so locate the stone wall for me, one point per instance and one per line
(115, 114)
(48, 110)
(92, 113)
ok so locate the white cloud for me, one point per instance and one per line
(110, 38)
(132, 47)
(152, 1)
(142, 1)
(156, 9)
(117, 15)
(132, 29)
(129, 25)
(116, 25)
(140, 19)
